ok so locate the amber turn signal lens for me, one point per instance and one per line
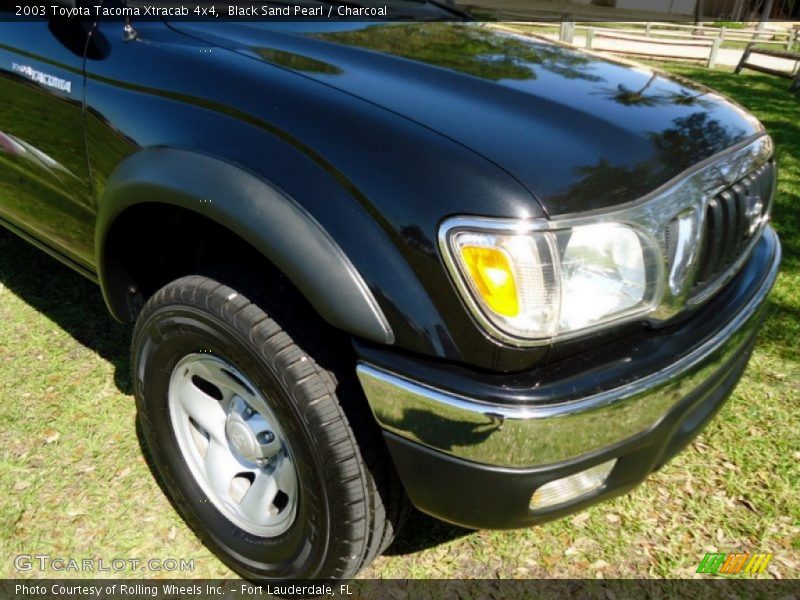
(491, 273)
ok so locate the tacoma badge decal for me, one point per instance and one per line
(39, 77)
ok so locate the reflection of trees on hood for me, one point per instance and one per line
(622, 94)
(297, 62)
(691, 140)
(479, 52)
(568, 64)
(694, 138)
(603, 178)
(684, 98)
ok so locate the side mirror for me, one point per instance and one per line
(71, 30)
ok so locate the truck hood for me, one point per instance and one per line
(578, 131)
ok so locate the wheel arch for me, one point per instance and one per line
(241, 208)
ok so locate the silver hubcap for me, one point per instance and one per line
(233, 444)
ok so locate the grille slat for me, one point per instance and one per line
(704, 269)
(730, 214)
(742, 222)
(729, 224)
(715, 233)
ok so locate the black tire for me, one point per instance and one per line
(350, 502)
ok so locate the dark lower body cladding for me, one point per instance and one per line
(474, 456)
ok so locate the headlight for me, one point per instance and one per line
(540, 284)
(531, 281)
(603, 275)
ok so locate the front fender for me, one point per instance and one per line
(262, 215)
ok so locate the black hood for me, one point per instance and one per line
(580, 132)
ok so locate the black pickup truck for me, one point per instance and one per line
(377, 265)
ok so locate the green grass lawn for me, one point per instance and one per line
(75, 483)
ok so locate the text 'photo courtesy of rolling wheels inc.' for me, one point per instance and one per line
(409, 299)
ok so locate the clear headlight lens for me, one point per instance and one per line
(540, 284)
(602, 274)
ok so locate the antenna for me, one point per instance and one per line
(128, 32)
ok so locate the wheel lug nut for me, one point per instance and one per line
(265, 437)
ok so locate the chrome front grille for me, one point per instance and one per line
(732, 219)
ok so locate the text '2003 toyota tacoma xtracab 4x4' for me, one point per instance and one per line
(376, 265)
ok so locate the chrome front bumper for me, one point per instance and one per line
(507, 435)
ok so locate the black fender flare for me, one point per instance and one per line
(266, 218)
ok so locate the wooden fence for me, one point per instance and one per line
(649, 47)
(645, 39)
(661, 31)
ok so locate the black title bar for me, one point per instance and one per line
(410, 10)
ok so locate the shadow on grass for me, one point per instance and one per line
(421, 532)
(68, 299)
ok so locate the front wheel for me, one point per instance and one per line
(271, 459)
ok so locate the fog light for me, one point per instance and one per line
(571, 487)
